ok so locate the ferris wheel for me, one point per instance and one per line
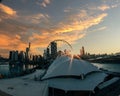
(60, 44)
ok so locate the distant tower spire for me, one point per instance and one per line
(29, 46)
(83, 50)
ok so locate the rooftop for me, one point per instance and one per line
(24, 85)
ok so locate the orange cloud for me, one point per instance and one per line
(36, 18)
(42, 41)
(4, 40)
(7, 10)
(79, 25)
(11, 43)
(104, 7)
(70, 30)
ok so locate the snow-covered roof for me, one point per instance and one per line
(87, 84)
(66, 66)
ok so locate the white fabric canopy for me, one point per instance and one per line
(66, 66)
(87, 84)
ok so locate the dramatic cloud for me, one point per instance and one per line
(36, 18)
(98, 29)
(7, 10)
(79, 22)
(44, 39)
(11, 43)
(44, 3)
(71, 29)
(104, 7)
(40, 28)
(110, 5)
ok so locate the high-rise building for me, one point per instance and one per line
(21, 56)
(82, 51)
(45, 55)
(48, 53)
(16, 55)
(27, 58)
(10, 55)
(13, 55)
(53, 50)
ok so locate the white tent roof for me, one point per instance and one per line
(87, 84)
(65, 66)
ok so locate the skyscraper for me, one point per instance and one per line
(82, 51)
(53, 50)
(45, 55)
(13, 55)
(48, 53)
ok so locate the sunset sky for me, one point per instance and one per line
(94, 24)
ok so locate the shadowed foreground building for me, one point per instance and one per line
(64, 77)
(72, 77)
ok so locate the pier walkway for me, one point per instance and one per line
(111, 90)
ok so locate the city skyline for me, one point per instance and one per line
(92, 24)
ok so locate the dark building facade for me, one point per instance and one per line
(53, 50)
